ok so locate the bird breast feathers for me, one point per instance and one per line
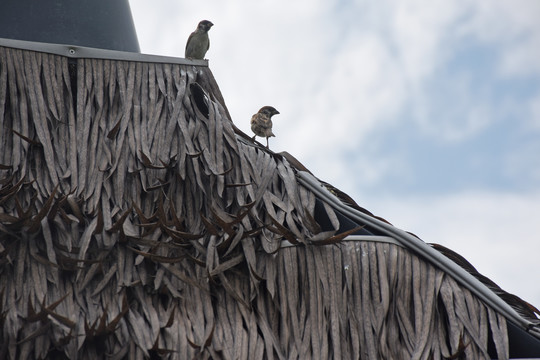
(261, 120)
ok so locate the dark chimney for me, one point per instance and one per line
(104, 24)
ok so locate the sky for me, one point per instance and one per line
(426, 112)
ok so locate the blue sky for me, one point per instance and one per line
(426, 112)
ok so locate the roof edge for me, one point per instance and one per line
(82, 52)
(423, 249)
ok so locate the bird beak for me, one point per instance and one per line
(277, 112)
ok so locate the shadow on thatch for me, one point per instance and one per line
(136, 222)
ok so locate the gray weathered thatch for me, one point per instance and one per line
(135, 222)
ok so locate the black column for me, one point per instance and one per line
(104, 24)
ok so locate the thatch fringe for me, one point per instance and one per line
(134, 223)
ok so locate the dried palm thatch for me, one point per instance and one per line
(134, 222)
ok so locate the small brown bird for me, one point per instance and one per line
(198, 42)
(261, 122)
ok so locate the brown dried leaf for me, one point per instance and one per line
(337, 238)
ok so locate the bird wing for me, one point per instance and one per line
(266, 123)
(189, 40)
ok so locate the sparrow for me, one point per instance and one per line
(198, 42)
(261, 122)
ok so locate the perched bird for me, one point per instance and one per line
(198, 42)
(261, 122)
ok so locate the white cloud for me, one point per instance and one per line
(513, 27)
(355, 66)
(421, 32)
(359, 90)
(452, 104)
(522, 163)
(453, 109)
(534, 111)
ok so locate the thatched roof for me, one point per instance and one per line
(137, 221)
